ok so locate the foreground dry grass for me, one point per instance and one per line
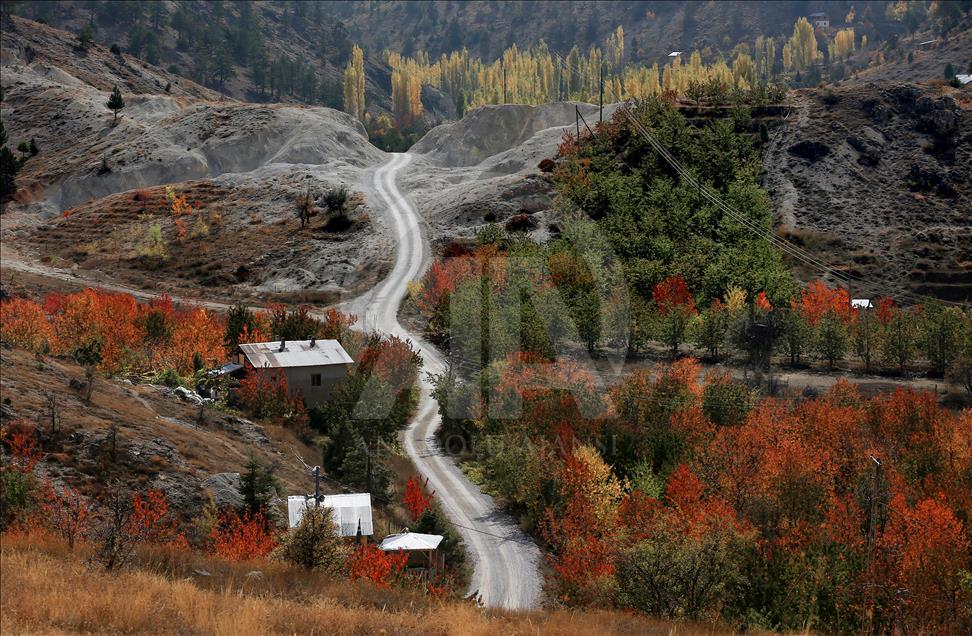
(46, 590)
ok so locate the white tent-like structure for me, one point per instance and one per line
(421, 548)
(351, 512)
(410, 541)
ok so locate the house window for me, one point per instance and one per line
(315, 379)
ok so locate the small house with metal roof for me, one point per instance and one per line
(313, 368)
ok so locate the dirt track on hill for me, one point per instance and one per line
(506, 562)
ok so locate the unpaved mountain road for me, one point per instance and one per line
(506, 562)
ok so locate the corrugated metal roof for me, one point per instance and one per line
(296, 353)
(350, 512)
(410, 541)
(226, 369)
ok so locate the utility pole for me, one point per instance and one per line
(577, 121)
(871, 541)
(600, 100)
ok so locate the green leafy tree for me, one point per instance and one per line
(830, 338)
(711, 329)
(941, 332)
(866, 332)
(899, 339)
(8, 168)
(676, 575)
(795, 334)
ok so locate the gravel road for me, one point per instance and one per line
(506, 562)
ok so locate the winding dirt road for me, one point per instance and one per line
(506, 562)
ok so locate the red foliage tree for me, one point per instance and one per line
(24, 324)
(415, 498)
(926, 547)
(264, 393)
(762, 302)
(582, 531)
(673, 294)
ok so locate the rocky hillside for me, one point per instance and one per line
(58, 55)
(160, 440)
(652, 28)
(96, 189)
(878, 179)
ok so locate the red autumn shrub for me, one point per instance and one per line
(377, 566)
(66, 514)
(242, 537)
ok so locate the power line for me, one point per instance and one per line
(794, 251)
(780, 243)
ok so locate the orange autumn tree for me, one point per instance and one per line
(816, 300)
(264, 393)
(94, 316)
(556, 400)
(925, 547)
(155, 336)
(581, 531)
(24, 324)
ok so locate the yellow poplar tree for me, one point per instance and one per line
(354, 84)
(800, 52)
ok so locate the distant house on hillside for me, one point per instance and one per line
(312, 367)
(820, 20)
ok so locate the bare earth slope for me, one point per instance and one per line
(484, 168)
(877, 179)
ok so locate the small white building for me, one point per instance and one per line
(820, 20)
(352, 512)
(674, 54)
(312, 367)
(861, 303)
(421, 548)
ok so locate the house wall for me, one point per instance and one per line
(299, 379)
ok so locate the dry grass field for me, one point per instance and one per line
(44, 589)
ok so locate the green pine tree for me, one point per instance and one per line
(116, 102)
